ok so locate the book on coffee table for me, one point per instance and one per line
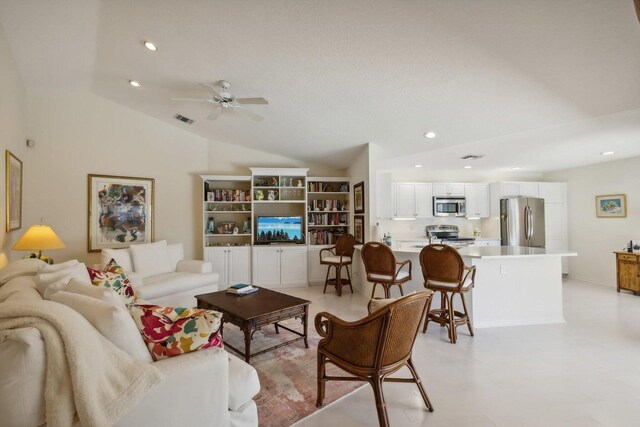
(241, 289)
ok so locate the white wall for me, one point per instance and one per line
(78, 134)
(13, 134)
(359, 172)
(596, 238)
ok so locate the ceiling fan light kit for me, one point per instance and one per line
(223, 100)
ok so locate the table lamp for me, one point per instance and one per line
(37, 238)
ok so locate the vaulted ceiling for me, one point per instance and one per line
(538, 84)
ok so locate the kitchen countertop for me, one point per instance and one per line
(489, 252)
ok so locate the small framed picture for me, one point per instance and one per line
(226, 228)
(358, 229)
(13, 191)
(611, 206)
(358, 198)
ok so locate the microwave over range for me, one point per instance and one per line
(449, 206)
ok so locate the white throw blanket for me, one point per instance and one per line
(86, 373)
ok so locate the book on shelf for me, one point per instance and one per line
(241, 289)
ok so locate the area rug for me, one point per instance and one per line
(288, 374)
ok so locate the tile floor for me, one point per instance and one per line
(582, 373)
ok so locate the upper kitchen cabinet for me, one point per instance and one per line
(477, 196)
(412, 200)
(445, 189)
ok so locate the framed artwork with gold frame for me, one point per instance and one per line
(121, 211)
(13, 191)
(611, 206)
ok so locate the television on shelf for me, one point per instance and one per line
(279, 229)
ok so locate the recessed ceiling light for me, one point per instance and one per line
(150, 45)
(516, 168)
(417, 166)
(134, 83)
(607, 153)
(430, 135)
(468, 167)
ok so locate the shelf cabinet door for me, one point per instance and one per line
(317, 272)
(456, 189)
(529, 189)
(293, 266)
(266, 266)
(405, 200)
(239, 265)
(218, 259)
(424, 200)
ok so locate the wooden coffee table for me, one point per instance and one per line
(251, 312)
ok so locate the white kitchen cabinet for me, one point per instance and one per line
(233, 264)
(412, 200)
(477, 196)
(529, 189)
(447, 189)
(424, 200)
(405, 200)
(280, 266)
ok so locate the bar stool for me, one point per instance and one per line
(382, 268)
(444, 271)
(339, 256)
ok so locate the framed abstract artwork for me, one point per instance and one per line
(13, 191)
(611, 206)
(120, 211)
(358, 198)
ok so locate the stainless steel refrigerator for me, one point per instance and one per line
(522, 221)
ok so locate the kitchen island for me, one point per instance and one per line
(514, 285)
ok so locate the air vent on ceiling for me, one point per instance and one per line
(472, 157)
(184, 119)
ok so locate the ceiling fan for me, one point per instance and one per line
(224, 101)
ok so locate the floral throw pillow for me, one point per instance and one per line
(172, 331)
(114, 277)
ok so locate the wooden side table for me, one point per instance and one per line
(628, 271)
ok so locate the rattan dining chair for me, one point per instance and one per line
(338, 256)
(373, 348)
(444, 271)
(382, 268)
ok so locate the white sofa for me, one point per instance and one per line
(208, 387)
(160, 274)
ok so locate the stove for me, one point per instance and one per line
(447, 235)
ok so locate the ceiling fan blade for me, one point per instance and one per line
(213, 89)
(215, 113)
(255, 101)
(250, 114)
(193, 99)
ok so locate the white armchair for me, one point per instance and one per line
(160, 274)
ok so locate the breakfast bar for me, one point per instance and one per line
(514, 285)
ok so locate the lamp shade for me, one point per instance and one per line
(38, 238)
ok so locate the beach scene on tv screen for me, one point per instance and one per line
(279, 229)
